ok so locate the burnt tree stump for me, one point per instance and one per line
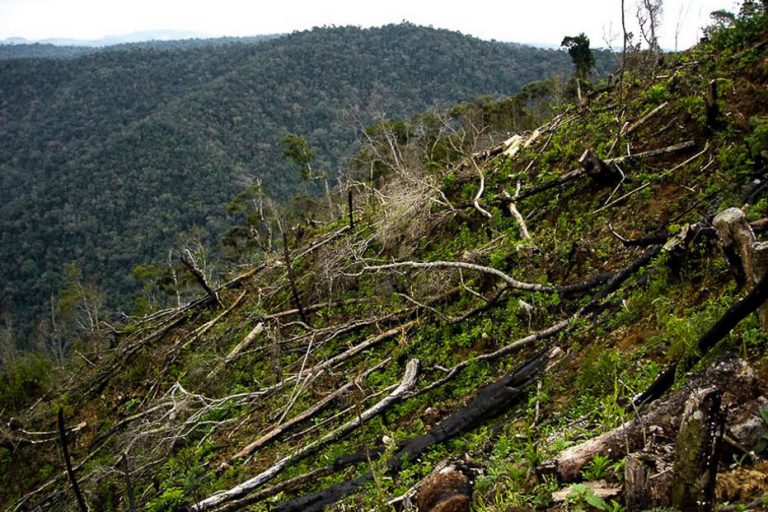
(696, 451)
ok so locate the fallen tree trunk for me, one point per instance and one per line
(491, 401)
(244, 344)
(734, 378)
(653, 152)
(311, 411)
(409, 380)
(735, 314)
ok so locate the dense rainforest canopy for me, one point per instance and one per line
(109, 158)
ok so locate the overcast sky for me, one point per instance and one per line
(529, 21)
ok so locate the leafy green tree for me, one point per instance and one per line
(581, 54)
(297, 149)
(582, 57)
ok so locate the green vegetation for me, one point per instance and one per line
(113, 158)
(472, 261)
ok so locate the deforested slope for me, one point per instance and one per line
(487, 314)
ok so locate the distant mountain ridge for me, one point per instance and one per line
(20, 48)
(106, 156)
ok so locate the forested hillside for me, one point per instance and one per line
(570, 319)
(107, 158)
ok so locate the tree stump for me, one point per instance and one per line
(601, 172)
(447, 489)
(696, 451)
(747, 257)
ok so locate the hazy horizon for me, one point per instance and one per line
(542, 23)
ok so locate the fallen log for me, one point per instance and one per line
(238, 491)
(653, 152)
(735, 314)
(489, 402)
(243, 345)
(738, 382)
(276, 432)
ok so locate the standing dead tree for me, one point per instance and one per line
(291, 275)
(189, 262)
(649, 14)
(68, 462)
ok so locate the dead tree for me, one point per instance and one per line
(747, 257)
(696, 451)
(351, 214)
(68, 462)
(292, 276)
(189, 262)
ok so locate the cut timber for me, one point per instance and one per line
(747, 257)
(734, 378)
(696, 451)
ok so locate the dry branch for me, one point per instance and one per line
(188, 262)
(409, 380)
(510, 281)
(304, 416)
(516, 213)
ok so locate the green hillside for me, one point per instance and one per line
(571, 319)
(106, 158)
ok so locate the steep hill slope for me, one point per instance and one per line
(488, 306)
(104, 157)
